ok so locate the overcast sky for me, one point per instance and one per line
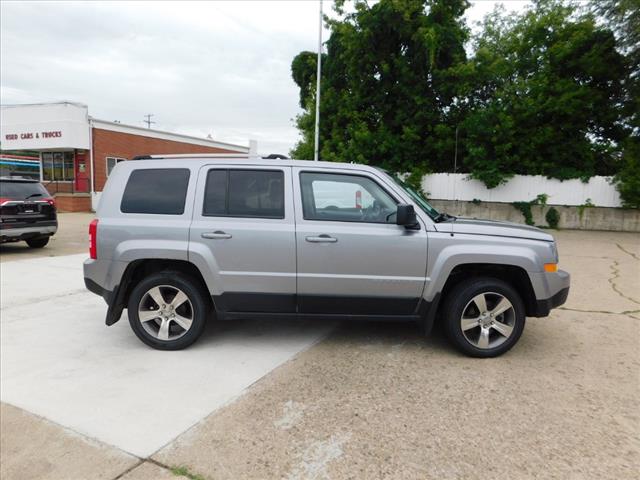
(219, 68)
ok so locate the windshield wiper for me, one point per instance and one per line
(33, 195)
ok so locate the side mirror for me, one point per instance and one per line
(406, 216)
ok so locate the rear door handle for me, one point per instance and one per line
(217, 235)
(322, 239)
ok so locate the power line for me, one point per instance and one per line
(148, 120)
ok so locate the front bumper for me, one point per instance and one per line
(544, 307)
(24, 233)
(561, 282)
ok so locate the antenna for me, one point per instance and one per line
(148, 120)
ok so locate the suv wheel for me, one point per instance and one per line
(167, 310)
(37, 242)
(483, 317)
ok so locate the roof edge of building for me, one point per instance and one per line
(35, 104)
(163, 135)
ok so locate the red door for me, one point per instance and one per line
(82, 172)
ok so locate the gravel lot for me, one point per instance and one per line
(379, 401)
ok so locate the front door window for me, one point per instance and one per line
(345, 198)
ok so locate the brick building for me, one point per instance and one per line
(76, 152)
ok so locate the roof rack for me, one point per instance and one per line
(273, 156)
(192, 155)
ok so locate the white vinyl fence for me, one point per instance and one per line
(457, 186)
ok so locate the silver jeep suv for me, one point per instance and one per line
(180, 239)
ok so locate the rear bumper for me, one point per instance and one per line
(99, 276)
(93, 287)
(24, 233)
(96, 278)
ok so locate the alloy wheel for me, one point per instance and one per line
(165, 312)
(488, 320)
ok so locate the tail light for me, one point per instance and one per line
(93, 239)
(51, 202)
(4, 200)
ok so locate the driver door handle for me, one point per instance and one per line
(324, 238)
(217, 235)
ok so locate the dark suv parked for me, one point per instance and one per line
(27, 212)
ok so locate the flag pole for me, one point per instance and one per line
(317, 133)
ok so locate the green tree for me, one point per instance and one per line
(624, 18)
(628, 177)
(548, 96)
(304, 73)
(389, 85)
(545, 91)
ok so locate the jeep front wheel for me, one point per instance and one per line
(483, 317)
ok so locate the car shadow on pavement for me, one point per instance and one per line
(393, 335)
(16, 249)
(362, 334)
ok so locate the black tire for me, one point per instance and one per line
(460, 297)
(199, 308)
(37, 242)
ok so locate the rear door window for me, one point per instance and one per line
(160, 191)
(244, 193)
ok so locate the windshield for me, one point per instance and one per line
(418, 198)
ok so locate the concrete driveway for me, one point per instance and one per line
(368, 401)
(60, 361)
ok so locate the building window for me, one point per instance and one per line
(111, 162)
(57, 166)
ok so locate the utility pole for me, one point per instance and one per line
(148, 120)
(317, 135)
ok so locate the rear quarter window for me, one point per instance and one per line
(159, 191)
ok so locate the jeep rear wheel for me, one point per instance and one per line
(483, 317)
(168, 310)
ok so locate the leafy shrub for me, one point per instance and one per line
(525, 207)
(627, 179)
(587, 204)
(541, 199)
(552, 217)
